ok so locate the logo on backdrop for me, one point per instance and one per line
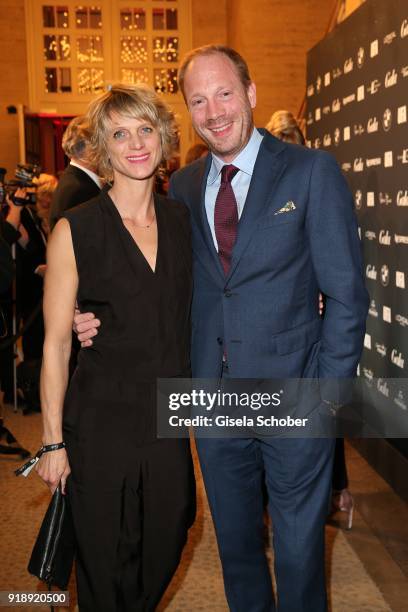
(403, 321)
(348, 65)
(358, 129)
(397, 358)
(402, 198)
(387, 119)
(372, 311)
(400, 279)
(385, 198)
(374, 87)
(389, 38)
(358, 164)
(385, 275)
(337, 136)
(387, 314)
(360, 57)
(403, 158)
(371, 272)
(381, 349)
(384, 238)
(382, 387)
(372, 125)
(400, 239)
(400, 401)
(391, 78)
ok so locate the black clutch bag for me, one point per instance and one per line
(54, 551)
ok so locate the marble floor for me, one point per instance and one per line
(367, 567)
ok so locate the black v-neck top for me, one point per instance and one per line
(145, 315)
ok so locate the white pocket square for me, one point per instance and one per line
(289, 206)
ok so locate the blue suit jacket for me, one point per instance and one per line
(265, 312)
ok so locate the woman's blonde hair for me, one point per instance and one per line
(45, 184)
(138, 101)
(284, 126)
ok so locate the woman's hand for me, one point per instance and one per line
(53, 468)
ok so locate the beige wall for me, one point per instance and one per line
(209, 22)
(13, 78)
(275, 45)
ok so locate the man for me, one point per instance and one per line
(79, 181)
(254, 315)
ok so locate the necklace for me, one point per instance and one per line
(142, 226)
(131, 220)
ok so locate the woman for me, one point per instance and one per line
(125, 255)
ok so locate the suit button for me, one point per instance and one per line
(227, 293)
(219, 340)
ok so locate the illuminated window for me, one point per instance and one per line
(77, 48)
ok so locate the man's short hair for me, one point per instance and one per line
(138, 101)
(76, 138)
(238, 61)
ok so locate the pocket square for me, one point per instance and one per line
(289, 206)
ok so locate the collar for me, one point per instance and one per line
(92, 175)
(244, 161)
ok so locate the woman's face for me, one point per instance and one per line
(134, 147)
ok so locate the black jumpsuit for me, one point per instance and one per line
(132, 495)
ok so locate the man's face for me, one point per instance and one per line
(219, 104)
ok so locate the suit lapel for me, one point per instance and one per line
(200, 216)
(268, 169)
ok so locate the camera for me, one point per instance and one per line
(23, 179)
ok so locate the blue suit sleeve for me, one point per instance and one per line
(337, 260)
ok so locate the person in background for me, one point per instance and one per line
(26, 226)
(195, 152)
(79, 182)
(8, 443)
(126, 253)
(34, 225)
(284, 126)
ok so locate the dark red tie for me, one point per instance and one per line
(226, 217)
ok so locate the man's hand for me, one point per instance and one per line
(14, 213)
(40, 270)
(85, 326)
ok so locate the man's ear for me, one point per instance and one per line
(251, 93)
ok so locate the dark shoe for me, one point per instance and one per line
(9, 445)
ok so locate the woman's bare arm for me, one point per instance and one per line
(60, 290)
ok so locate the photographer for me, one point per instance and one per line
(8, 443)
(10, 234)
(6, 267)
(27, 224)
(34, 229)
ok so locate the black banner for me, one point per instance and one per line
(357, 109)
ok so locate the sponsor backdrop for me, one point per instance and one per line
(357, 98)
